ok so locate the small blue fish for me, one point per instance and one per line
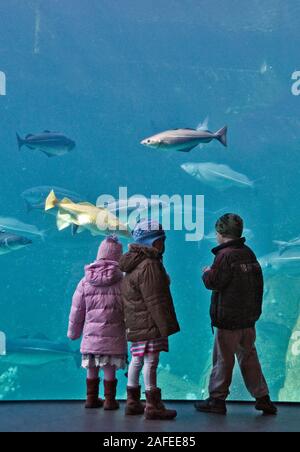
(11, 242)
(53, 144)
(35, 197)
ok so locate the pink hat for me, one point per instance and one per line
(111, 248)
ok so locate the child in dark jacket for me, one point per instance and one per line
(150, 317)
(237, 283)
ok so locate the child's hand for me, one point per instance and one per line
(206, 269)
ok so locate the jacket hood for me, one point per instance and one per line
(237, 243)
(136, 255)
(103, 273)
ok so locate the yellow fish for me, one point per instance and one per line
(85, 216)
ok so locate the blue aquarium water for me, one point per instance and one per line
(107, 74)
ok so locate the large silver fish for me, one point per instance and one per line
(131, 210)
(211, 236)
(283, 245)
(53, 144)
(287, 262)
(37, 351)
(217, 175)
(11, 242)
(12, 224)
(184, 140)
(135, 204)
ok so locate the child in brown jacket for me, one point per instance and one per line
(150, 317)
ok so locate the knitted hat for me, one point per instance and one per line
(146, 232)
(230, 225)
(111, 248)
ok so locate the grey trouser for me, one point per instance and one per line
(239, 343)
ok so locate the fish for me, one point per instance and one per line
(211, 236)
(37, 351)
(10, 242)
(186, 139)
(35, 197)
(288, 262)
(131, 210)
(134, 204)
(219, 176)
(85, 216)
(283, 245)
(12, 224)
(53, 144)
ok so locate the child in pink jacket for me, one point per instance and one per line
(97, 315)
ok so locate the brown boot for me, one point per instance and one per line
(134, 406)
(155, 409)
(110, 391)
(93, 400)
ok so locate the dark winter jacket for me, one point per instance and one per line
(148, 305)
(237, 283)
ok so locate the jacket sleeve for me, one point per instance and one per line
(219, 276)
(77, 315)
(155, 291)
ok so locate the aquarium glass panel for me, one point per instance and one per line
(84, 87)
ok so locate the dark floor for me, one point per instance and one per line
(72, 417)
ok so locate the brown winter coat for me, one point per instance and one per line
(148, 305)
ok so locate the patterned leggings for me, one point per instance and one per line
(149, 364)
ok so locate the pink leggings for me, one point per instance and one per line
(109, 373)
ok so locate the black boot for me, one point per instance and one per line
(266, 405)
(211, 405)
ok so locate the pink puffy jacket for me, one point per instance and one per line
(97, 310)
